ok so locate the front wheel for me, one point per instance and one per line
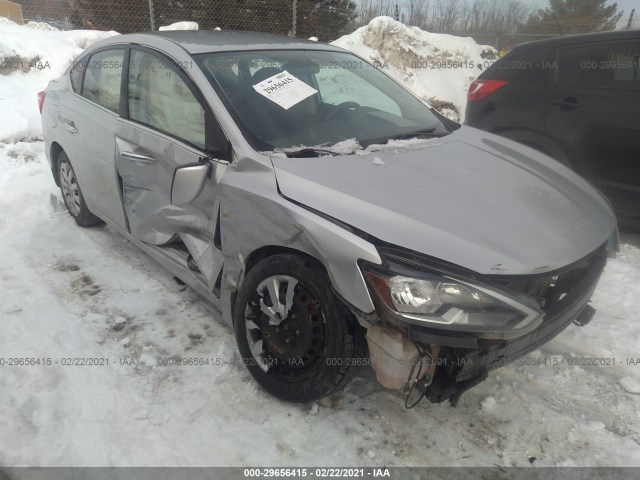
(295, 337)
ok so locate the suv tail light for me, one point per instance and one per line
(481, 88)
(40, 101)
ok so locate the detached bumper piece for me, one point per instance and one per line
(467, 360)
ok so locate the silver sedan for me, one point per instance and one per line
(334, 218)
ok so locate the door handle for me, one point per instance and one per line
(568, 103)
(134, 157)
(71, 127)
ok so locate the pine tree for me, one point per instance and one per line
(574, 16)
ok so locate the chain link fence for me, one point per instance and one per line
(325, 19)
(499, 24)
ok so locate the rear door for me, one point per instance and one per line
(592, 107)
(88, 117)
(166, 130)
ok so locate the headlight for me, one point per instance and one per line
(449, 303)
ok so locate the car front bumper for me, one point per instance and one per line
(466, 367)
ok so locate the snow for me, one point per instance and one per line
(437, 67)
(181, 26)
(29, 59)
(42, 26)
(31, 24)
(630, 385)
(13, 126)
(351, 146)
(68, 292)
(345, 147)
(488, 403)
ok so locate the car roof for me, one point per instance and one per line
(584, 38)
(206, 41)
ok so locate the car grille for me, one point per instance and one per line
(552, 288)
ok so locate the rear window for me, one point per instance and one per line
(103, 77)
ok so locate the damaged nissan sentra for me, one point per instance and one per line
(334, 218)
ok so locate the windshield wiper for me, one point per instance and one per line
(428, 133)
(310, 152)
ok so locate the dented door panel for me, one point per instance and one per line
(147, 178)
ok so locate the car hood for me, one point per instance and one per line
(471, 198)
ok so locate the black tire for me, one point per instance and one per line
(76, 207)
(321, 319)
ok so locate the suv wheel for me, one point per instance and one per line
(72, 195)
(295, 337)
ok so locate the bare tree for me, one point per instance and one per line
(369, 9)
(493, 16)
(417, 13)
(455, 16)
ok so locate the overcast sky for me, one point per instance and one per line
(625, 5)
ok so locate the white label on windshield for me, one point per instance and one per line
(284, 89)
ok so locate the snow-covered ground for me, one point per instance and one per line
(72, 292)
(67, 292)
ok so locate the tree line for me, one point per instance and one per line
(493, 16)
(328, 19)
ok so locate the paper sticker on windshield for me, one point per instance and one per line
(284, 89)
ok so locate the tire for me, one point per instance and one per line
(326, 343)
(72, 194)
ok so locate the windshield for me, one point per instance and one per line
(283, 99)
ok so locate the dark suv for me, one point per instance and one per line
(575, 98)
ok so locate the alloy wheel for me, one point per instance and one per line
(70, 189)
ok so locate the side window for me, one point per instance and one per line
(331, 84)
(102, 78)
(160, 98)
(625, 62)
(608, 65)
(76, 74)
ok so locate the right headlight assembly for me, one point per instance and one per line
(438, 301)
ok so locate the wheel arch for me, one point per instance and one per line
(257, 222)
(267, 251)
(55, 151)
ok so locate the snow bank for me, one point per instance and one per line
(42, 26)
(180, 26)
(437, 67)
(13, 126)
(31, 24)
(29, 59)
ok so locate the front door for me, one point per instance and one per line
(164, 132)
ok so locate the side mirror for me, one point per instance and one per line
(188, 182)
